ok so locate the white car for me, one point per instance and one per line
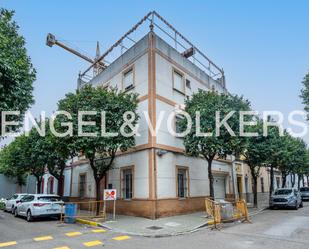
(39, 205)
(11, 203)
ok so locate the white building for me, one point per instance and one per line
(156, 178)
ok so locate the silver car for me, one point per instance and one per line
(11, 203)
(286, 197)
(39, 205)
(304, 192)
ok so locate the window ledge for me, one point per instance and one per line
(129, 88)
(181, 92)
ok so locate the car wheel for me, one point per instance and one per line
(29, 216)
(15, 212)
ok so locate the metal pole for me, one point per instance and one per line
(114, 212)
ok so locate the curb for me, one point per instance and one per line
(87, 222)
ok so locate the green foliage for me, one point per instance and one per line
(208, 103)
(100, 150)
(305, 93)
(16, 71)
(12, 159)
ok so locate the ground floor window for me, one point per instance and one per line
(82, 185)
(127, 183)
(182, 182)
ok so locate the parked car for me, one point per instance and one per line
(11, 203)
(304, 192)
(286, 197)
(39, 205)
(2, 203)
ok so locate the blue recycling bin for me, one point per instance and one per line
(70, 213)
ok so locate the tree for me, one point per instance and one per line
(12, 162)
(60, 151)
(255, 155)
(16, 71)
(100, 150)
(299, 159)
(305, 93)
(203, 107)
(36, 154)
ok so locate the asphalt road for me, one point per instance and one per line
(270, 229)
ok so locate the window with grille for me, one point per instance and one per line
(127, 184)
(182, 183)
(178, 120)
(178, 81)
(82, 186)
(128, 79)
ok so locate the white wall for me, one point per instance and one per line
(198, 174)
(141, 173)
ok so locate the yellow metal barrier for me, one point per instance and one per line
(214, 210)
(86, 210)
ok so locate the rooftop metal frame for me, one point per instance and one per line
(179, 42)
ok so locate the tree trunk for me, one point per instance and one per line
(211, 180)
(60, 186)
(98, 195)
(307, 180)
(271, 186)
(39, 185)
(299, 177)
(293, 179)
(284, 175)
(254, 190)
(61, 181)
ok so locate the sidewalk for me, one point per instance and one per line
(162, 227)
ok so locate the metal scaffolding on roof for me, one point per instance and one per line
(179, 42)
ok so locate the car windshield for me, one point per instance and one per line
(49, 198)
(283, 192)
(304, 189)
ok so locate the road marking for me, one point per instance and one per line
(93, 243)
(72, 234)
(10, 243)
(63, 247)
(43, 238)
(98, 231)
(125, 237)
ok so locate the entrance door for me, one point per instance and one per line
(219, 187)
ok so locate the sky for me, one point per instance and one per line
(262, 45)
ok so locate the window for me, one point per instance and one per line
(82, 185)
(27, 198)
(128, 79)
(178, 120)
(178, 81)
(247, 184)
(262, 185)
(188, 84)
(127, 183)
(49, 198)
(182, 183)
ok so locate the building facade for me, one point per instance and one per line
(156, 178)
